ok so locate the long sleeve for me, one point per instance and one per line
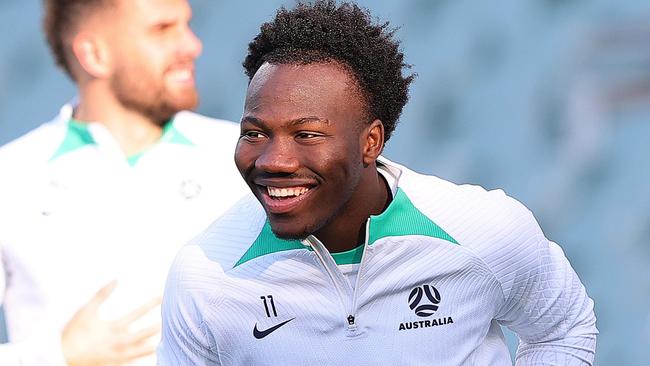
(43, 349)
(545, 304)
(185, 338)
(542, 299)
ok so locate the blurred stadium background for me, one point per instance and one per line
(547, 99)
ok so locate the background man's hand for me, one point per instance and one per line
(88, 340)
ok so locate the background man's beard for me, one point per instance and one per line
(154, 103)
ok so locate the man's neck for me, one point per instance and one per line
(132, 131)
(348, 230)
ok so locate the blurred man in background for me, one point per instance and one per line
(96, 202)
(352, 259)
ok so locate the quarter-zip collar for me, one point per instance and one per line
(346, 292)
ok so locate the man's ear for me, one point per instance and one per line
(92, 54)
(373, 142)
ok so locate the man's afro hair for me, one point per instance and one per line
(322, 31)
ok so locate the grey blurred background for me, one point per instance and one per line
(547, 99)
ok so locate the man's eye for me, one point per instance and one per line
(307, 135)
(163, 26)
(252, 135)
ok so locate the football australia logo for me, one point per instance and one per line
(428, 307)
(424, 301)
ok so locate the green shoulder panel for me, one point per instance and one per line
(268, 243)
(76, 137)
(403, 218)
(172, 135)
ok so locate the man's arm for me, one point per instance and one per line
(43, 349)
(546, 304)
(186, 339)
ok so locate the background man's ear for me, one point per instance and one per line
(373, 143)
(92, 55)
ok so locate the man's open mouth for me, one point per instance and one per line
(284, 192)
(280, 200)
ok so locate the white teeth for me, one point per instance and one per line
(181, 75)
(286, 192)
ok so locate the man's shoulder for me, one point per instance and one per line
(203, 130)
(496, 229)
(197, 275)
(34, 147)
(218, 248)
(439, 195)
(473, 216)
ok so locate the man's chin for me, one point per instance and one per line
(281, 233)
(166, 111)
(185, 102)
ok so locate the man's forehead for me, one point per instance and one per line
(284, 92)
(300, 79)
(156, 10)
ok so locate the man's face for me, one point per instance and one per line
(301, 148)
(153, 50)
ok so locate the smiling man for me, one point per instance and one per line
(110, 188)
(350, 258)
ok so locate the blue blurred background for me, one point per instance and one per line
(547, 99)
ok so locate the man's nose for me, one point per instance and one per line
(190, 43)
(278, 157)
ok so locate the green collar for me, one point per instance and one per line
(78, 135)
(401, 218)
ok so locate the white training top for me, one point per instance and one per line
(442, 268)
(76, 213)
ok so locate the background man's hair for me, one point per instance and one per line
(60, 19)
(321, 32)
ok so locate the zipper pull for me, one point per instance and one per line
(350, 320)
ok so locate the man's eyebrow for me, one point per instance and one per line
(253, 120)
(304, 120)
(294, 122)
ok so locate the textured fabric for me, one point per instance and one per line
(74, 215)
(436, 297)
